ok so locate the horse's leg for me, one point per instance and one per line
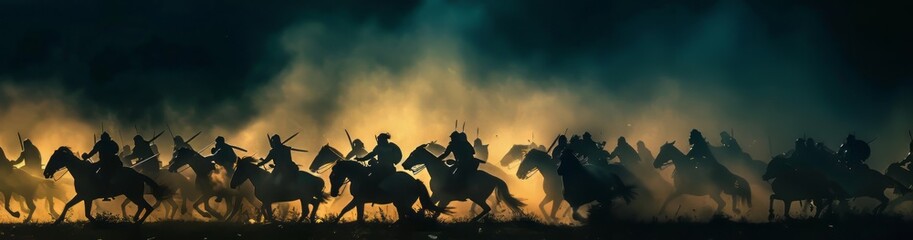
(50, 204)
(212, 211)
(720, 204)
(545, 200)
(352, 203)
(123, 207)
(884, 203)
(6, 204)
(787, 204)
(360, 213)
(304, 209)
(235, 208)
(268, 211)
(316, 204)
(88, 205)
(575, 215)
(485, 209)
(30, 202)
(63, 214)
(770, 209)
(196, 206)
(669, 199)
(735, 204)
(556, 204)
(141, 204)
(173, 207)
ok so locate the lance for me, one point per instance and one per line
(136, 129)
(238, 148)
(290, 137)
(21, 145)
(565, 132)
(455, 124)
(94, 138)
(169, 130)
(194, 136)
(553, 144)
(102, 126)
(911, 135)
(464, 127)
(144, 160)
(156, 136)
(477, 133)
(352, 144)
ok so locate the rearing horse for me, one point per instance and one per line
(89, 186)
(478, 187)
(701, 180)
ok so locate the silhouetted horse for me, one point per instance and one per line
(400, 189)
(539, 161)
(89, 186)
(308, 189)
(702, 179)
(23, 184)
(478, 187)
(49, 191)
(791, 184)
(211, 183)
(902, 176)
(864, 182)
(325, 159)
(583, 185)
(174, 182)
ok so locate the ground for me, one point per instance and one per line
(855, 228)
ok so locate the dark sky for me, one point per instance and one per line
(134, 60)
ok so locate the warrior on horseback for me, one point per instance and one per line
(286, 170)
(854, 152)
(224, 154)
(31, 156)
(147, 158)
(625, 153)
(108, 161)
(465, 164)
(388, 155)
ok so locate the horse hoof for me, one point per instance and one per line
(736, 211)
(206, 215)
(15, 214)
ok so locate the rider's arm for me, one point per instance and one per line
(20, 159)
(269, 157)
(444, 155)
(350, 155)
(370, 155)
(93, 152)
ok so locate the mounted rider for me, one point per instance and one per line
(854, 152)
(286, 171)
(388, 155)
(180, 143)
(358, 150)
(108, 161)
(465, 164)
(729, 143)
(31, 156)
(125, 151)
(560, 145)
(224, 154)
(625, 153)
(6, 165)
(147, 159)
(481, 150)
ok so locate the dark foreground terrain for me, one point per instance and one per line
(858, 228)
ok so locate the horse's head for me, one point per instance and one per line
(531, 162)
(777, 166)
(182, 157)
(340, 172)
(325, 157)
(58, 161)
(667, 153)
(418, 157)
(435, 148)
(245, 167)
(515, 153)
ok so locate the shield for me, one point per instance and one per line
(396, 153)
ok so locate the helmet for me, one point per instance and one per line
(384, 136)
(138, 138)
(220, 139)
(358, 143)
(587, 135)
(454, 135)
(622, 140)
(105, 136)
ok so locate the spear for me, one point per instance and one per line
(464, 127)
(194, 136)
(290, 137)
(156, 136)
(21, 145)
(911, 135)
(144, 160)
(352, 144)
(169, 130)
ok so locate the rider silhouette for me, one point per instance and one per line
(224, 155)
(180, 143)
(126, 151)
(625, 153)
(358, 150)
(388, 155)
(143, 151)
(6, 166)
(286, 170)
(644, 152)
(108, 161)
(729, 143)
(465, 162)
(854, 152)
(561, 144)
(31, 156)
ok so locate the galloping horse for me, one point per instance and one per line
(89, 186)
(791, 184)
(583, 184)
(539, 161)
(174, 182)
(20, 182)
(211, 183)
(700, 180)
(478, 187)
(400, 189)
(308, 189)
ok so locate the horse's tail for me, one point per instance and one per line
(158, 191)
(504, 196)
(741, 190)
(425, 199)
